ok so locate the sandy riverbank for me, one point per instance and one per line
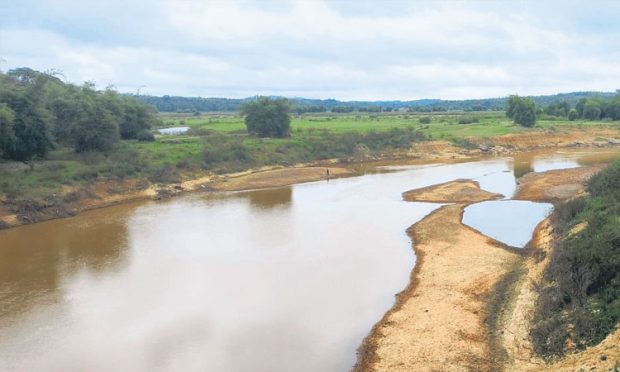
(438, 322)
(461, 191)
(470, 299)
(555, 185)
(108, 193)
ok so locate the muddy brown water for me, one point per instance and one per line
(287, 279)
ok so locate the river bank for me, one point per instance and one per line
(73, 200)
(470, 299)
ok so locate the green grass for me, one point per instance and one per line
(170, 149)
(443, 125)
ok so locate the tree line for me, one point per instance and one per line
(308, 105)
(39, 112)
(524, 111)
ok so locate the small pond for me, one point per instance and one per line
(172, 130)
(511, 222)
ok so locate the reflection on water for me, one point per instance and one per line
(522, 164)
(592, 158)
(509, 221)
(34, 259)
(269, 198)
(273, 280)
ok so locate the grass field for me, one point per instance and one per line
(443, 125)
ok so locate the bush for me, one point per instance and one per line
(226, 154)
(425, 120)
(165, 174)
(580, 299)
(522, 110)
(573, 115)
(468, 120)
(145, 136)
(266, 117)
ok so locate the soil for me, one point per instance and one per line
(555, 185)
(279, 177)
(459, 191)
(438, 322)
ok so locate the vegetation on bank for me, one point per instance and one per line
(579, 303)
(38, 112)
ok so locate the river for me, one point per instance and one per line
(287, 279)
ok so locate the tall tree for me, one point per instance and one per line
(522, 110)
(7, 133)
(266, 117)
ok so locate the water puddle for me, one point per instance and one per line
(509, 221)
(173, 130)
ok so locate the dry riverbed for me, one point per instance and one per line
(438, 322)
(469, 304)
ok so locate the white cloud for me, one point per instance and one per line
(373, 50)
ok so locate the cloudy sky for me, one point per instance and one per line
(319, 48)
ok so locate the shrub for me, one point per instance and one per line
(145, 135)
(573, 115)
(468, 120)
(227, 154)
(580, 299)
(266, 117)
(425, 120)
(522, 110)
(165, 174)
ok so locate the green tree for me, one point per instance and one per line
(573, 115)
(96, 128)
(136, 118)
(522, 110)
(612, 108)
(32, 123)
(7, 133)
(266, 117)
(592, 110)
(561, 108)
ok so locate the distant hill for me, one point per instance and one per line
(300, 105)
